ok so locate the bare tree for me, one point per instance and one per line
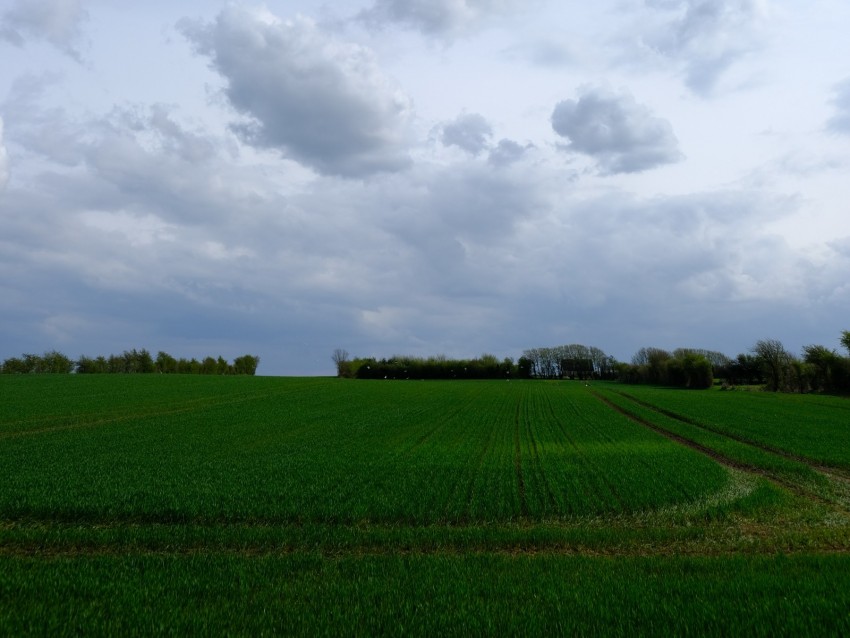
(340, 359)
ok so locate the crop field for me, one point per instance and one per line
(251, 505)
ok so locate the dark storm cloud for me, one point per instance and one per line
(620, 134)
(322, 102)
(56, 21)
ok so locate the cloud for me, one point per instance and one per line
(707, 36)
(320, 101)
(160, 238)
(4, 160)
(840, 122)
(46, 132)
(620, 134)
(147, 225)
(469, 131)
(507, 152)
(551, 53)
(56, 21)
(444, 18)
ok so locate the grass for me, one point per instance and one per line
(372, 452)
(156, 504)
(809, 426)
(426, 595)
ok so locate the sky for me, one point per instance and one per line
(422, 177)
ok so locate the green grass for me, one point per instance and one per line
(425, 595)
(169, 504)
(810, 426)
(732, 449)
(335, 452)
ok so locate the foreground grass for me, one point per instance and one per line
(426, 595)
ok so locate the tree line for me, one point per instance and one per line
(767, 363)
(573, 361)
(683, 368)
(819, 369)
(486, 366)
(129, 362)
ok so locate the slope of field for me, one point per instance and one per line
(814, 427)
(328, 452)
(254, 505)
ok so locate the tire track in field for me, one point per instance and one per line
(749, 538)
(724, 460)
(839, 477)
(681, 550)
(812, 463)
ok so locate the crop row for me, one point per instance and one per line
(330, 451)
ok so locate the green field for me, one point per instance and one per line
(251, 505)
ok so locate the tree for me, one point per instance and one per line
(55, 362)
(115, 364)
(845, 339)
(165, 363)
(188, 366)
(144, 362)
(776, 362)
(246, 364)
(822, 361)
(744, 369)
(602, 363)
(209, 366)
(86, 365)
(524, 367)
(340, 359)
(651, 364)
(802, 375)
(15, 365)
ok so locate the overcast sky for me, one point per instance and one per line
(422, 176)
